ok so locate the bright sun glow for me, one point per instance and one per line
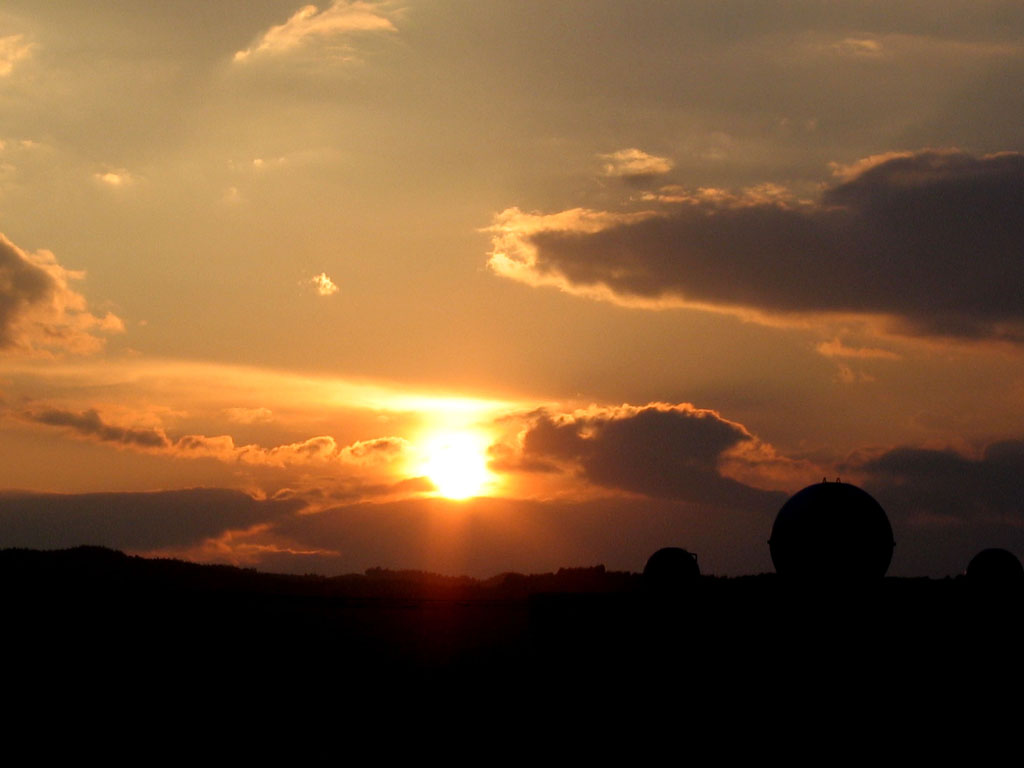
(456, 463)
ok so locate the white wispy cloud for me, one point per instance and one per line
(310, 24)
(117, 177)
(13, 49)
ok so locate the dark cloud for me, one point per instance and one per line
(89, 423)
(946, 507)
(920, 481)
(38, 311)
(22, 285)
(132, 521)
(931, 239)
(324, 495)
(657, 450)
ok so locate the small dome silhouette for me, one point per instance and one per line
(831, 530)
(995, 565)
(670, 568)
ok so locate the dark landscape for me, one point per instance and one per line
(89, 615)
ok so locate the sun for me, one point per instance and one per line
(456, 463)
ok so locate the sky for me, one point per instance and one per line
(475, 287)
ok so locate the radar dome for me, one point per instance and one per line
(670, 568)
(995, 565)
(831, 530)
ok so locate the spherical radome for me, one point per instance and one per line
(670, 568)
(832, 530)
(995, 565)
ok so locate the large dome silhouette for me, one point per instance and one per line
(671, 568)
(995, 566)
(832, 530)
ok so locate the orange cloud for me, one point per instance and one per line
(836, 348)
(319, 450)
(249, 415)
(39, 313)
(634, 163)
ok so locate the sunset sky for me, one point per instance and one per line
(473, 286)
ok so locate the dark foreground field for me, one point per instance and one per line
(88, 619)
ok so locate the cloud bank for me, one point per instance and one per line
(322, 449)
(936, 484)
(946, 506)
(39, 312)
(132, 521)
(930, 241)
(658, 450)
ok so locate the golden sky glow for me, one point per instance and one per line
(437, 284)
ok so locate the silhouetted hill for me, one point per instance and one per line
(87, 567)
(91, 616)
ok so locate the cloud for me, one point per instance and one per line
(948, 484)
(634, 163)
(39, 313)
(847, 375)
(836, 348)
(658, 450)
(859, 46)
(249, 415)
(314, 450)
(132, 521)
(946, 506)
(378, 449)
(115, 178)
(515, 256)
(13, 49)
(310, 404)
(928, 242)
(324, 285)
(319, 450)
(309, 25)
(90, 424)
